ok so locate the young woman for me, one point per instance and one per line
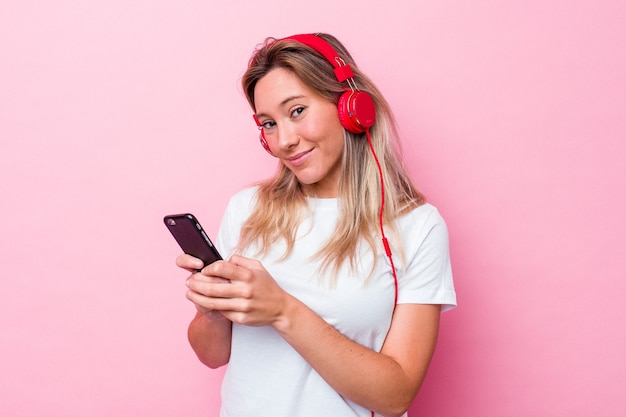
(329, 302)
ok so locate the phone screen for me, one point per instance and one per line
(191, 237)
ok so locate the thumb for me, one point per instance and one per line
(245, 262)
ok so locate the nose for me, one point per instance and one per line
(287, 136)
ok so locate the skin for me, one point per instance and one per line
(302, 129)
(304, 132)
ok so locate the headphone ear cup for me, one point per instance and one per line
(357, 111)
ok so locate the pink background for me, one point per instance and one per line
(113, 114)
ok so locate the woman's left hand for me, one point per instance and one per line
(252, 298)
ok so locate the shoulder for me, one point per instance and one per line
(246, 194)
(239, 207)
(423, 230)
(421, 219)
(244, 199)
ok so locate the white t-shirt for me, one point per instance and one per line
(265, 375)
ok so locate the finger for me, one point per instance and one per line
(188, 262)
(245, 262)
(200, 276)
(215, 289)
(215, 269)
(226, 270)
(205, 304)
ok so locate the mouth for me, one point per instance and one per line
(299, 158)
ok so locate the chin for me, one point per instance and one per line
(307, 178)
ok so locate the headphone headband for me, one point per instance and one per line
(343, 71)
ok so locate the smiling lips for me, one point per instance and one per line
(300, 158)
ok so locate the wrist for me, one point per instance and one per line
(208, 317)
(284, 322)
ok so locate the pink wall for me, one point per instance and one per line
(113, 114)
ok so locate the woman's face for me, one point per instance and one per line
(302, 129)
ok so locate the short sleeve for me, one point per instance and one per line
(237, 211)
(427, 277)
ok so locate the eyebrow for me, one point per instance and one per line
(282, 104)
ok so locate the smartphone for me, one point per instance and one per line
(192, 239)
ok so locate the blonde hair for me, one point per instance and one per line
(281, 203)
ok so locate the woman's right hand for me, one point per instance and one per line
(194, 265)
(209, 332)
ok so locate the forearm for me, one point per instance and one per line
(373, 380)
(210, 340)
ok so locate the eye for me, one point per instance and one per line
(297, 111)
(268, 124)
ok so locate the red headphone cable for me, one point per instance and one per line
(382, 208)
(382, 229)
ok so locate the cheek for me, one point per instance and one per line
(328, 130)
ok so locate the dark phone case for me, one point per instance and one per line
(191, 237)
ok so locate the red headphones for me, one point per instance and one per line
(356, 109)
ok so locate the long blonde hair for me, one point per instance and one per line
(281, 203)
